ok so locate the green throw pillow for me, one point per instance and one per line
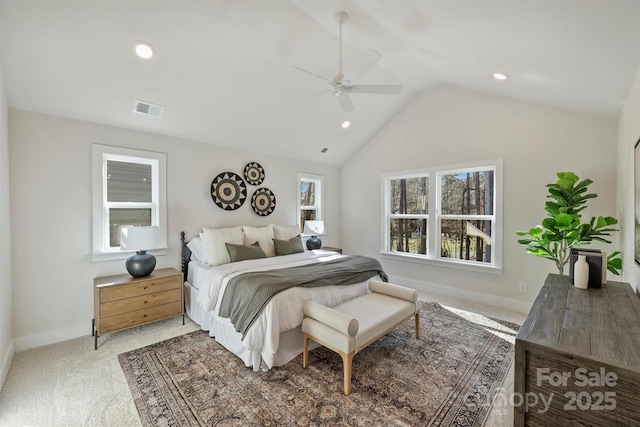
(288, 247)
(243, 252)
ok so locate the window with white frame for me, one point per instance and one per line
(310, 193)
(129, 190)
(450, 215)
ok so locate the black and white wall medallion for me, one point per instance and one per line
(254, 173)
(263, 201)
(228, 191)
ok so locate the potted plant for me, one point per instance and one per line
(563, 228)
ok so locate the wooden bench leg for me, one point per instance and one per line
(347, 361)
(305, 350)
(418, 325)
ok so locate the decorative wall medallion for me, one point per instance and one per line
(228, 191)
(263, 201)
(254, 173)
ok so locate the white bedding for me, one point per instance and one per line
(283, 312)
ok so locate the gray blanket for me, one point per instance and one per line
(248, 293)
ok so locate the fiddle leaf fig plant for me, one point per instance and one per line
(563, 228)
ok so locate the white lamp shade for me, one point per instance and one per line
(139, 238)
(315, 228)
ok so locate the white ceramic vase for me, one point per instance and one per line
(581, 273)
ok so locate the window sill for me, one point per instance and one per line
(117, 255)
(446, 263)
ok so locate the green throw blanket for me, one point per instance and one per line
(248, 293)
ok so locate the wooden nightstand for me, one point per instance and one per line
(331, 248)
(123, 302)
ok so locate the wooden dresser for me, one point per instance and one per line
(577, 357)
(122, 302)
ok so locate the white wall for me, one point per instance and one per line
(450, 125)
(628, 136)
(6, 311)
(51, 210)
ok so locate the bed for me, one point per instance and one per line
(226, 271)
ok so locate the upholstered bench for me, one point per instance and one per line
(350, 327)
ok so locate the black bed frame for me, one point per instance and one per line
(185, 255)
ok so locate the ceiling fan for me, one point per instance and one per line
(341, 87)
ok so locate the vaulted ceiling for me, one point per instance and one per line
(224, 70)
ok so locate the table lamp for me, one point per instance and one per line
(315, 228)
(140, 239)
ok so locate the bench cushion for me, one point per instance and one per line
(376, 313)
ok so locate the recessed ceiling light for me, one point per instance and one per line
(346, 124)
(143, 50)
(500, 76)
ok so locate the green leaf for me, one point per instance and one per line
(584, 183)
(602, 222)
(563, 220)
(566, 179)
(549, 223)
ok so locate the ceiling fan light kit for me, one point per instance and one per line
(339, 91)
(342, 88)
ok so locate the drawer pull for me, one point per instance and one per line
(146, 302)
(145, 287)
(145, 315)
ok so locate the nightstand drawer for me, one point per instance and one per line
(118, 292)
(139, 317)
(141, 302)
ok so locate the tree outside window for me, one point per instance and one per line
(309, 198)
(446, 213)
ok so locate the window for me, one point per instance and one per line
(129, 189)
(310, 194)
(448, 215)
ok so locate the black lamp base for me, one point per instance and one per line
(314, 243)
(141, 264)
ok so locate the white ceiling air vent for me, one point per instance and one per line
(148, 109)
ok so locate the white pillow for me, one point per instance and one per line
(285, 232)
(262, 235)
(196, 246)
(214, 244)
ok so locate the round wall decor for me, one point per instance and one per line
(254, 173)
(263, 201)
(228, 191)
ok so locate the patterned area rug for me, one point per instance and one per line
(446, 378)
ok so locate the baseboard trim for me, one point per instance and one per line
(6, 363)
(464, 294)
(51, 337)
(63, 334)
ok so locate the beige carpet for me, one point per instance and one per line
(448, 377)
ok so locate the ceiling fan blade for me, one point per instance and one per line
(345, 102)
(371, 58)
(310, 73)
(381, 89)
